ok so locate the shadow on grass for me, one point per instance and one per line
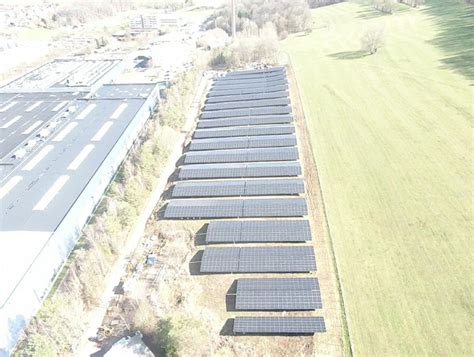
(455, 34)
(370, 13)
(349, 55)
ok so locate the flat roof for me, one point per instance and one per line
(39, 192)
(23, 115)
(70, 72)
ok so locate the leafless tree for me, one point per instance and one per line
(372, 39)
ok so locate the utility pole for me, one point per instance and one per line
(233, 19)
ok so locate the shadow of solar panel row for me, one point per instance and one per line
(258, 85)
(237, 91)
(236, 208)
(262, 187)
(258, 231)
(248, 104)
(241, 155)
(244, 97)
(278, 294)
(240, 170)
(255, 71)
(219, 114)
(243, 142)
(283, 129)
(258, 260)
(279, 325)
(250, 82)
(246, 121)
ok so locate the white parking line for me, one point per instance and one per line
(119, 111)
(11, 122)
(33, 127)
(101, 132)
(40, 156)
(86, 111)
(9, 185)
(80, 157)
(65, 131)
(51, 193)
(59, 106)
(33, 106)
(8, 106)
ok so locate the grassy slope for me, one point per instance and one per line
(392, 138)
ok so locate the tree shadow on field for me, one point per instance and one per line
(455, 34)
(349, 55)
(370, 13)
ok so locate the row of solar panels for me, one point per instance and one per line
(241, 155)
(239, 170)
(246, 97)
(248, 90)
(243, 142)
(246, 121)
(257, 82)
(273, 259)
(278, 325)
(235, 208)
(262, 187)
(278, 294)
(248, 104)
(257, 130)
(258, 231)
(267, 110)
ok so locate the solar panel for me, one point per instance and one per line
(255, 71)
(243, 142)
(292, 207)
(259, 260)
(230, 78)
(276, 259)
(244, 121)
(247, 104)
(278, 294)
(279, 325)
(214, 114)
(245, 131)
(241, 155)
(200, 209)
(235, 208)
(245, 97)
(258, 231)
(262, 187)
(248, 91)
(223, 260)
(272, 284)
(265, 169)
(248, 81)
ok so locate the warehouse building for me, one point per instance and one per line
(60, 149)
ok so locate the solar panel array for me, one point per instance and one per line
(268, 110)
(258, 231)
(245, 131)
(243, 142)
(235, 208)
(246, 138)
(241, 155)
(262, 187)
(279, 325)
(248, 104)
(278, 294)
(258, 260)
(246, 121)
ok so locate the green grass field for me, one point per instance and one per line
(392, 137)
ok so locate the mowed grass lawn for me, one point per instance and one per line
(392, 139)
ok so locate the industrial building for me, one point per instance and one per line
(64, 130)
